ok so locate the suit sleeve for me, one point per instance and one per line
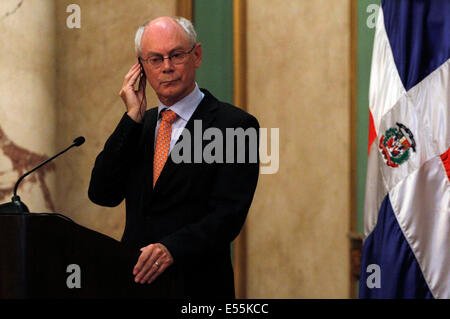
(109, 174)
(228, 204)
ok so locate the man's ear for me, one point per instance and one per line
(198, 53)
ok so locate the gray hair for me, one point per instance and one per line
(183, 22)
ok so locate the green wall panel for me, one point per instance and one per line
(213, 21)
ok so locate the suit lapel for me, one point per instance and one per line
(148, 138)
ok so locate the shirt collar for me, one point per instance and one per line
(186, 106)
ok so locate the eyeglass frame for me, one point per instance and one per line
(169, 57)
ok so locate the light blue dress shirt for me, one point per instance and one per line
(184, 109)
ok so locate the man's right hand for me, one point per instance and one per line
(133, 99)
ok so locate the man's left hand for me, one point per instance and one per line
(152, 262)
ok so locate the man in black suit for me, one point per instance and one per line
(183, 213)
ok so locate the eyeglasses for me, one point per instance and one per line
(178, 57)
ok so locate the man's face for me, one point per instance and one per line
(171, 82)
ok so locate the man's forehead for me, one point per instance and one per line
(164, 30)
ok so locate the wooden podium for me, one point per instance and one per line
(37, 249)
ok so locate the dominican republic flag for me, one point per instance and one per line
(406, 251)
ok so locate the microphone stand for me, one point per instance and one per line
(16, 206)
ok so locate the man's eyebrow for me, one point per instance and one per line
(151, 53)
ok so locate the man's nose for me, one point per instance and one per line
(167, 65)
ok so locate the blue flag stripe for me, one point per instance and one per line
(386, 247)
(419, 35)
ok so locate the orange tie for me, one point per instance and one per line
(163, 143)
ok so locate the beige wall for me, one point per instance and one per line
(92, 62)
(299, 81)
(27, 104)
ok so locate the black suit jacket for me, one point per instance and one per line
(195, 209)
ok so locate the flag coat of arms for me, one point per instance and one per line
(406, 250)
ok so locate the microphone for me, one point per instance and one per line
(20, 207)
(78, 141)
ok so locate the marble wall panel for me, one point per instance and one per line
(27, 101)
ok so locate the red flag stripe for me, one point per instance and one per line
(372, 131)
(446, 161)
